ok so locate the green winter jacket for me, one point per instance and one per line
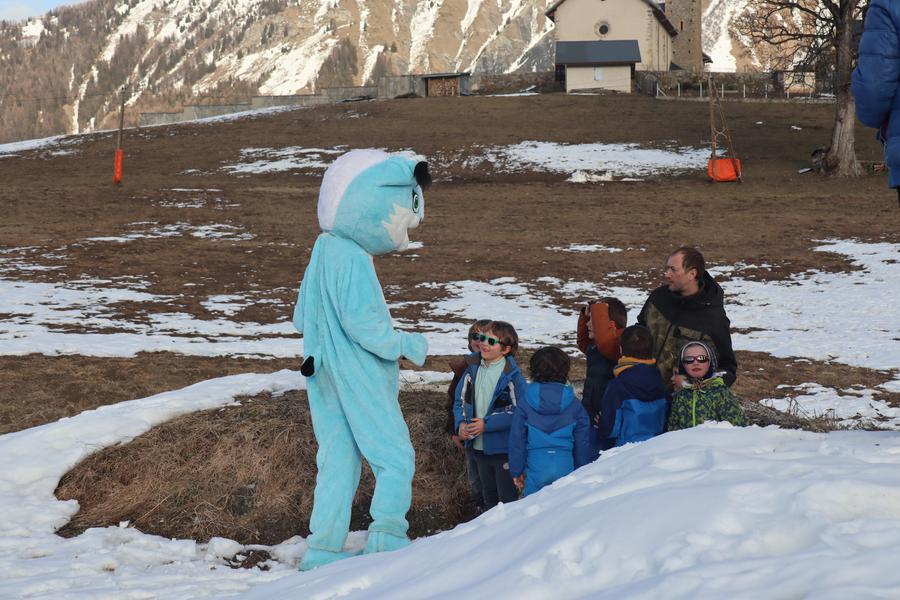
(710, 400)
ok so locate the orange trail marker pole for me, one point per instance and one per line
(117, 168)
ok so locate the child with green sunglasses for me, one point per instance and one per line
(484, 402)
(458, 366)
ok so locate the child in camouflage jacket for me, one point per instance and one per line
(703, 395)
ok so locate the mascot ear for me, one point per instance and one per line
(423, 177)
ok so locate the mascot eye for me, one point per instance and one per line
(415, 201)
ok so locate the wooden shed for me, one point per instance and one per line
(446, 84)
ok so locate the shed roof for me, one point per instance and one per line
(435, 75)
(654, 7)
(609, 52)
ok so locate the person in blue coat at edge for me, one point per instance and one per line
(636, 403)
(483, 407)
(367, 202)
(550, 433)
(876, 80)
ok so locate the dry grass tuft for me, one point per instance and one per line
(248, 472)
(759, 414)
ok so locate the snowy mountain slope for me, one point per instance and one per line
(187, 50)
(731, 50)
(208, 51)
(720, 41)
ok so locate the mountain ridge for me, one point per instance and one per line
(171, 52)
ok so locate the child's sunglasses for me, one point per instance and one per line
(483, 338)
(689, 360)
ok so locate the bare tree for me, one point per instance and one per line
(807, 35)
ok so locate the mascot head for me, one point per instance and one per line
(373, 198)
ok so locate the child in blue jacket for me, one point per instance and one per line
(549, 437)
(483, 408)
(636, 403)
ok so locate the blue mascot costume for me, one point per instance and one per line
(367, 202)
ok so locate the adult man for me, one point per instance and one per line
(688, 308)
(875, 81)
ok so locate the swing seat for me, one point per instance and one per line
(724, 169)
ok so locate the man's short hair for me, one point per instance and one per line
(691, 258)
(549, 364)
(506, 333)
(618, 314)
(637, 342)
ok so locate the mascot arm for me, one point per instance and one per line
(298, 312)
(307, 283)
(365, 318)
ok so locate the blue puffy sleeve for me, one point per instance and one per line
(460, 415)
(877, 73)
(609, 406)
(518, 440)
(583, 446)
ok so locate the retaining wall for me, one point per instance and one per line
(484, 83)
(197, 111)
(397, 86)
(737, 85)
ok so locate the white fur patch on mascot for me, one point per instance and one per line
(367, 202)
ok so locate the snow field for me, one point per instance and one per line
(711, 512)
(111, 562)
(583, 162)
(785, 319)
(121, 562)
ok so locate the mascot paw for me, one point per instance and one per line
(380, 541)
(415, 348)
(314, 557)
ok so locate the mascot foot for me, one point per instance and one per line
(379, 541)
(314, 557)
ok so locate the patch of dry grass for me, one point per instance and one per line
(248, 472)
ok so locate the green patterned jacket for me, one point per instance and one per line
(710, 400)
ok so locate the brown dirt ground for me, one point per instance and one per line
(39, 389)
(480, 224)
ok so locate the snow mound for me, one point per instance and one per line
(714, 512)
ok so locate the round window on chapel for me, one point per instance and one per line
(603, 29)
